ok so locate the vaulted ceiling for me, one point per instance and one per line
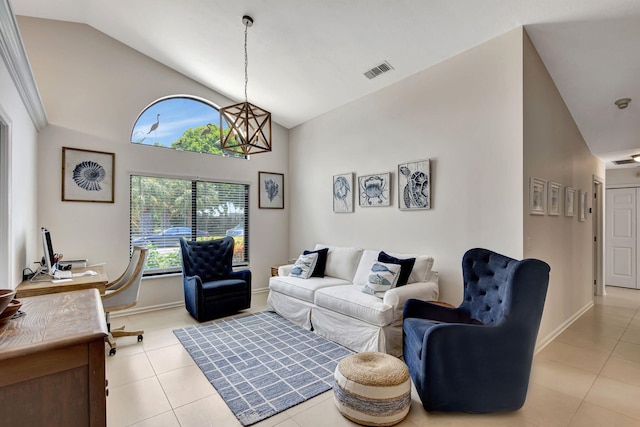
(308, 57)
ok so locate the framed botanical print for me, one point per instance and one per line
(271, 190)
(343, 192)
(553, 190)
(537, 196)
(569, 201)
(582, 206)
(87, 175)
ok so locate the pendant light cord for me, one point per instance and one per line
(246, 61)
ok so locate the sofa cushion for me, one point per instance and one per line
(382, 277)
(342, 262)
(406, 265)
(351, 301)
(304, 265)
(421, 268)
(318, 271)
(303, 288)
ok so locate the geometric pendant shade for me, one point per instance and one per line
(250, 125)
(250, 129)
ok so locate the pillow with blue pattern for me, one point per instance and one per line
(304, 266)
(406, 265)
(382, 277)
(321, 264)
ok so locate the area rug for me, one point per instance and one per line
(262, 364)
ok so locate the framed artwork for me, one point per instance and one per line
(554, 192)
(271, 190)
(582, 206)
(343, 192)
(414, 185)
(374, 190)
(87, 175)
(569, 201)
(537, 196)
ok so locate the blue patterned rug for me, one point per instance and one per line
(262, 364)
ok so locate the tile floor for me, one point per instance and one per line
(588, 376)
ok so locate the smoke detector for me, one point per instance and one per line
(623, 103)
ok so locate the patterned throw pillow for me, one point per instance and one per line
(318, 271)
(304, 266)
(406, 265)
(382, 277)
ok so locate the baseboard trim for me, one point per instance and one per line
(146, 309)
(149, 308)
(560, 329)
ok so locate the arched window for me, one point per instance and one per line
(182, 123)
(165, 209)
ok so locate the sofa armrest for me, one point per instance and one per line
(284, 270)
(427, 291)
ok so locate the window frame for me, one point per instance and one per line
(193, 214)
(192, 98)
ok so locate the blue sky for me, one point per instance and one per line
(176, 115)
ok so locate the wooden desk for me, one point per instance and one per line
(52, 362)
(31, 289)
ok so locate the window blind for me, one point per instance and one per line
(163, 210)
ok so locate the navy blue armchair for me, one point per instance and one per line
(477, 357)
(211, 288)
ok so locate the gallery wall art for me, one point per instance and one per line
(414, 185)
(87, 175)
(375, 190)
(271, 190)
(343, 192)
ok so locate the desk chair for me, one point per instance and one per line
(123, 293)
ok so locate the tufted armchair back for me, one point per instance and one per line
(494, 284)
(477, 357)
(209, 259)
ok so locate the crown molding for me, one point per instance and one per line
(15, 57)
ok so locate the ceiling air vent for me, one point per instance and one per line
(623, 162)
(378, 69)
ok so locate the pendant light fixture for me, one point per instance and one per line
(250, 125)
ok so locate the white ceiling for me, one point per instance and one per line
(308, 57)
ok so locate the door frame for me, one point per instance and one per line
(6, 241)
(598, 235)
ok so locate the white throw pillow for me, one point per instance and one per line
(369, 256)
(341, 261)
(304, 266)
(382, 277)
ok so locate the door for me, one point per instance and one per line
(621, 237)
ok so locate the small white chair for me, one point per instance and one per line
(123, 293)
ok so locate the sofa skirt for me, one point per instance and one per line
(355, 334)
(292, 309)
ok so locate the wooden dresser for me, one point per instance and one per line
(52, 362)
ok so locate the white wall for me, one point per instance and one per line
(488, 118)
(22, 139)
(554, 150)
(93, 88)
(466, 116)
(623, 177)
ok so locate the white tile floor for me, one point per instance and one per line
(588, 376)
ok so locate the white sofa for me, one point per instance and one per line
(335, 307)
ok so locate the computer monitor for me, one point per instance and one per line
(49, 254)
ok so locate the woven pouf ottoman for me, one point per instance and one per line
(372, 389)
